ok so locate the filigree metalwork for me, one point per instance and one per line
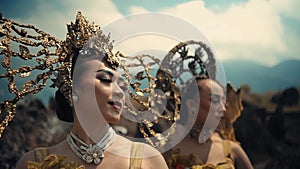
(192, 57)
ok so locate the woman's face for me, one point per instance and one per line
(212, 100)
(109, 90)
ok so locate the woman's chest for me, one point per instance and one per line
(211, 153)
(111, 162)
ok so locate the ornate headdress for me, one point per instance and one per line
(191, 56)
(168, 76)
(147, 106)
(53, 57)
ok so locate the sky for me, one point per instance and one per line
(262, 31)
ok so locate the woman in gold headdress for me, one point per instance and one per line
(214, 152)
(204, 102)
(90, 94)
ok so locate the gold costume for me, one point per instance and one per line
(178, 161)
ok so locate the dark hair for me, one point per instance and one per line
(64, 110)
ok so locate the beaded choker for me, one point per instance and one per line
(91, 153)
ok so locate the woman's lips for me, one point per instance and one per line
(116, 105)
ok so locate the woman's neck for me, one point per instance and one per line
(201, 134)
(89, 135)
(198, 126)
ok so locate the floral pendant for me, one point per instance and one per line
(93, 153)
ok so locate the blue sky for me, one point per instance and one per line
(263, 31)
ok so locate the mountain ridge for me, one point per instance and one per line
(262, 78)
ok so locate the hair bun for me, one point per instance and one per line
(63, 109)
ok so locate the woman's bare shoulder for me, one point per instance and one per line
(240, 157)
(236, 148)
(22, 163)
(31, 155)
(153, 158)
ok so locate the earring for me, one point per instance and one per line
(75, 98)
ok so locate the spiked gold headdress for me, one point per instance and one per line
(53, 57)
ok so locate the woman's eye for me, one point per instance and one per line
(122, 85)
(105, 80)
(215, 100)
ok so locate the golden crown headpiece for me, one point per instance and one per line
(81, 35)
(49, 55)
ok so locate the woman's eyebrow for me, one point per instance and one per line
(105, 71)
(212, 94)
(217, 95)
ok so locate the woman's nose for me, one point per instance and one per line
(221, 109)
(118, 92)
(223, 106)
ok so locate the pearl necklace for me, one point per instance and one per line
(91, 153)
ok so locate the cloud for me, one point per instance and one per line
(289, 8)
(251, 30)
(53, 17)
